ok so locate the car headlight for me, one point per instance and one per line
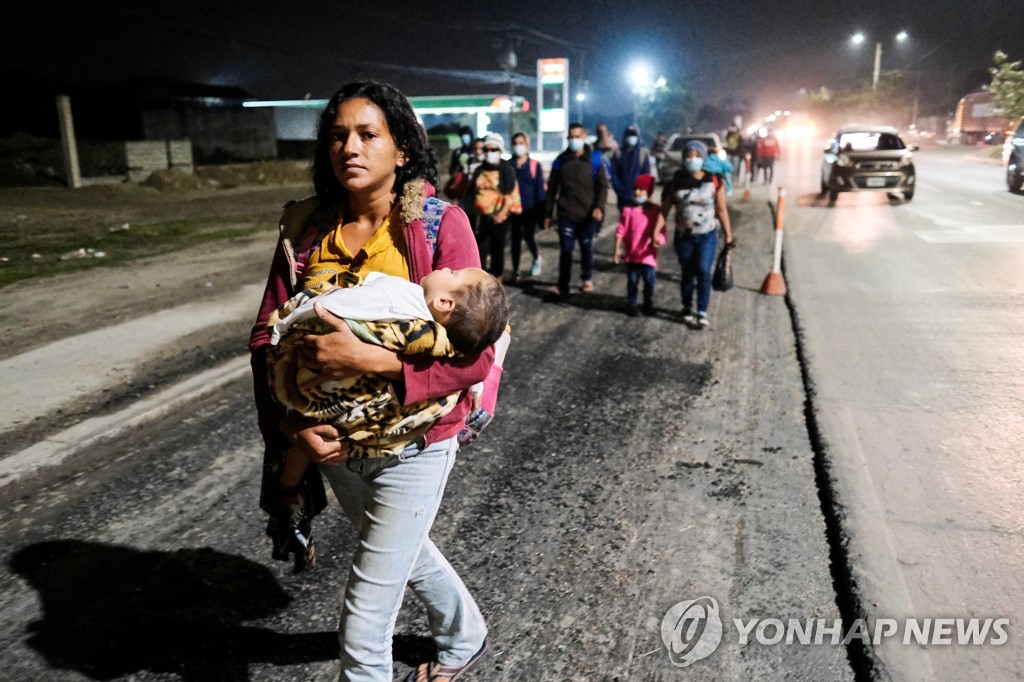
(844, 161)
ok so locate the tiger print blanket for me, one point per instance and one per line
(363, 408)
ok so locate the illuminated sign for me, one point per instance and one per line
(552, 121)
(552, 71)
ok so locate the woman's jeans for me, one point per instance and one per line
(635, 272)
(696, 257)
(392, 502)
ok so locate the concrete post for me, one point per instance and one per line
(67, 142)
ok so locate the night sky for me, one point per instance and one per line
(760, 51)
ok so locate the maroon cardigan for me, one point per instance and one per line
(422, 378)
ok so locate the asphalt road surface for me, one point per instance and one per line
(634, 464)
(912, 317)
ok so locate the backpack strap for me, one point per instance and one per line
(433, 210)
(534, 165)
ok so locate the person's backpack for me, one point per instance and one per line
(597, 162)
(485, 394)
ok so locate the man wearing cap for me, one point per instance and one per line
(628, 162)
(578, 189)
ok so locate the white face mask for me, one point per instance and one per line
(640, 199)
(479, 156)
(695, 164)
(576, 144)
(520, 149)
(631, 140)
(492, 158)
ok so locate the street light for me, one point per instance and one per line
(643, 87)
(858, 38)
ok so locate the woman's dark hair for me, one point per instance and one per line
(406, 130)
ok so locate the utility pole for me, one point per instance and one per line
(67, 142)
(878, 65)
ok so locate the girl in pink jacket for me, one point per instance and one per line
(641, 231)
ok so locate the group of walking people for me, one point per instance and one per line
(380, 334)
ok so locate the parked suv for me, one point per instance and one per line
(1013, 153)
(673, 160)
(868, 159)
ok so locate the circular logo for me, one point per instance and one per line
(691, 630)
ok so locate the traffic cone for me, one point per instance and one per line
(774, 284)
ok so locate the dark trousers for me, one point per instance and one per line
(568, 234)
(490, 239)
(523, 228)
(635, 273)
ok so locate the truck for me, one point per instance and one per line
(978, 119)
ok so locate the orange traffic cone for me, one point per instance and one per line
(774, 283)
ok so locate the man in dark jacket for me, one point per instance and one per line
(578, 189)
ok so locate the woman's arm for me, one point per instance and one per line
(722, 212)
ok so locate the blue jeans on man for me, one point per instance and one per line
(568, 234)
(696, 257)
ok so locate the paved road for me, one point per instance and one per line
(912, 320)
(634, 464)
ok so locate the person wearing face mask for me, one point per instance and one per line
(534, 192)
(495, 196)
(698, 197)
(458, 168)
(629, 162)
(577, 191)
(460, 156)
(641, 230)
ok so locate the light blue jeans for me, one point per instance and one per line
(392, 502)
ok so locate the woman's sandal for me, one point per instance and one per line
(430, 672)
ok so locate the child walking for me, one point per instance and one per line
(641, 230)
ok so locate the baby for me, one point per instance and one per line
(450, 312)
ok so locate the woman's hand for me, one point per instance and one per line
(340, 354)
(317, 441)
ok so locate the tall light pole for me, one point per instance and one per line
(859, 38)
(640, 75)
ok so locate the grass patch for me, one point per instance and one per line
(35, 250)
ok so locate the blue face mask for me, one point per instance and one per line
(576, 144)
(695, 164)
(466, 139)
(640, 200)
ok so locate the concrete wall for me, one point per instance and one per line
(147, 156)
(218, 134)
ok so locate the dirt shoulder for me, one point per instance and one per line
(58, 304)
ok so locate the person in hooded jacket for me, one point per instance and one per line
(461, 155)
(628, 162)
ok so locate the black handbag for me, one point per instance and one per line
(721, 279)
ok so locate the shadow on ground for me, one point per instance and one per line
(110, 611)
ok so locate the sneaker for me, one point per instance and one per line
(647, 309)
(535, 268)
(689, 318)
(587, 286)
(632, 310)
(702, 321)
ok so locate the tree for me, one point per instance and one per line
(670, 108)
(1007, 86)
